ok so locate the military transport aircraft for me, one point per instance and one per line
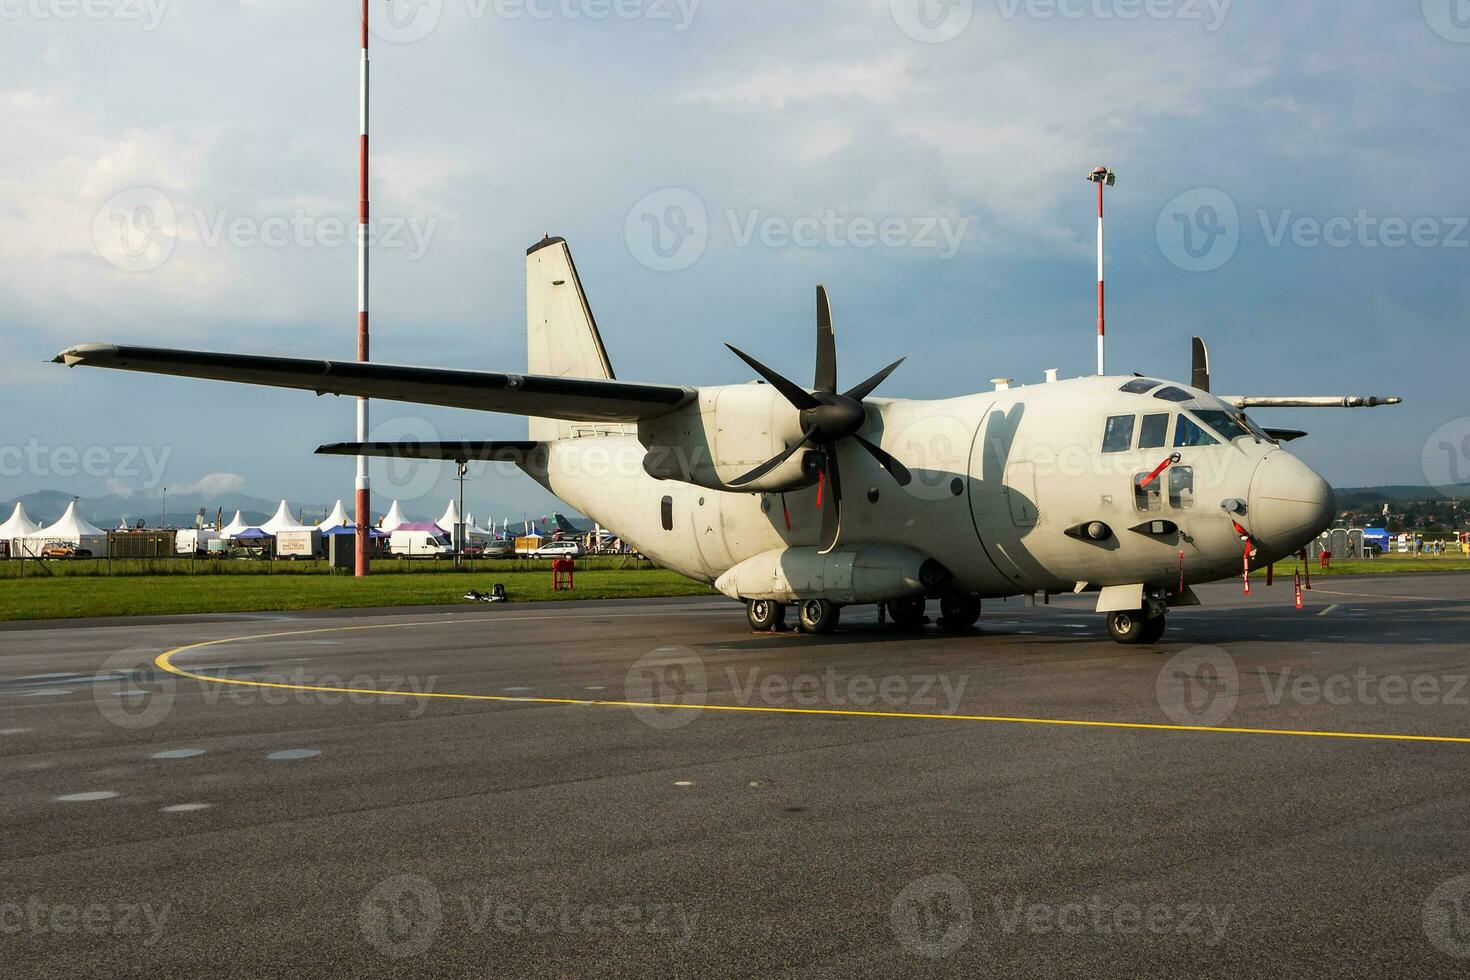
(826, 496)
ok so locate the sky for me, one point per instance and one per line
(185, 175)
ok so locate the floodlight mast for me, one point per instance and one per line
(364, 497)
(1100, 176)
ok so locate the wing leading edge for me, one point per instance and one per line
(573, 399)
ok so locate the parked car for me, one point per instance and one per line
(560, 549)
(65, 551)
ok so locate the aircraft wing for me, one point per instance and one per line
(1310, 401)
(574, 399)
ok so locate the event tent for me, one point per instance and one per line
(19, 524)
(394, 519)
(282, 520)
(337, 518)
(236, 525)
(70, 529)
(450, 517)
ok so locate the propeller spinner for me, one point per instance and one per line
(827, 418)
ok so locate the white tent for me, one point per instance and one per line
(450, 517)
(236, 525)
(394, 519)
(70, 529)
(19, 524)
(337, 518)
(282, 520)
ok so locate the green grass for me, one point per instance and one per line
(1375, 566)
(66, 597)
(92, 567)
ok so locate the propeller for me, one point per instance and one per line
(827, 418)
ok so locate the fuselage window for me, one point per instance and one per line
(1154, 433)
(1118, 435)
(1172, 394)
(1223, 423)
(1147, 498)
(1181, 487)
(1140, 386)
(1187, 433)
(666, 512)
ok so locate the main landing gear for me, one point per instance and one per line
(1135, 626)
(813, 615)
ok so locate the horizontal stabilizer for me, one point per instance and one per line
(461, 452)
(576, 399)
(1310, 401)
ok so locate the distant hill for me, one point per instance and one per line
(1350, 497)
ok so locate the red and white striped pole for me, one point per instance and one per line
(1100, 176)
(364, 487)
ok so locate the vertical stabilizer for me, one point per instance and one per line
(561, 333)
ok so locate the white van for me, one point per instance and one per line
(420, 543)
(560, 549)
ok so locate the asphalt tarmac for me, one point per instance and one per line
(645, 788)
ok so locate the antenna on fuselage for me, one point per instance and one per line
(1100, 176)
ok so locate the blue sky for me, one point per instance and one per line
(767, 143)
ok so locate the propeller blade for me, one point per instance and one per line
(866, 388)
(896, 469)
(826, 378)
(796, 396)
(832, 512)
(771, 463)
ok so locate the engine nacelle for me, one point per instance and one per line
(728, 431)
(870, 573)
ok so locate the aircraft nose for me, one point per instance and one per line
(1290, 505)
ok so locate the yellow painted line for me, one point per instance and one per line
(164, 661)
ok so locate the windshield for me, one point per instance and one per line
(1225, 423)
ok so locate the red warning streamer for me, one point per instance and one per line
(1173, 458)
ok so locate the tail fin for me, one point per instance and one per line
(561, 334)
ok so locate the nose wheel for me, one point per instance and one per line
(1135, 626)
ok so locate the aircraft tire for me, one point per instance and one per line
(1127, 626)
(907, 613)
(817, 615)
(765, 615)
(958, 613)
(1153, 629)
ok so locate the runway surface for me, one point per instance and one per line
(593, 807)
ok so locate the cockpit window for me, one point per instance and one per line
(1139, 386)
(1118, 436)
(1224, 423)
(1154, 433)
(1188, 433)
(1173, 394)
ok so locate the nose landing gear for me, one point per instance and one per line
(1135, 626)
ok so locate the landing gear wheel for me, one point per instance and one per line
(1133, 626)
(907, 613)
(958, 613)
(1153, 630)
(765, 615)
(817, 616)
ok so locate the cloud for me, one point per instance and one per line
(214, 485)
